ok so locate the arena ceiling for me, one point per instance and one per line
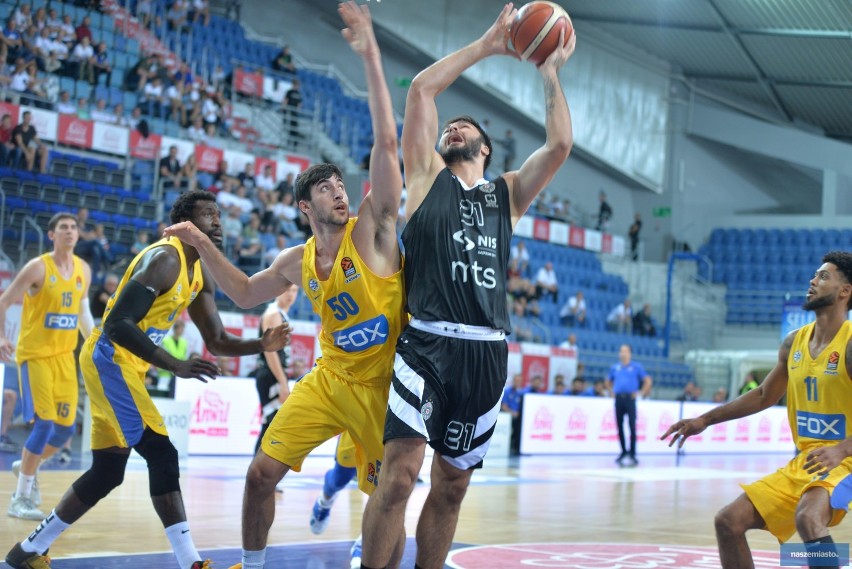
(792, 58)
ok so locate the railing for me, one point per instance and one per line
(3, 256)
(22, 248)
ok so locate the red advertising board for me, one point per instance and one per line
(145, 148)
(248, 83)
(74, 131)
(208, 158)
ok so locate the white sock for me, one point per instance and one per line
(326, 502)
(182, 545)
(45, 534)
(254, 559)
(25, 485)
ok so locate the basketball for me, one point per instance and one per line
(535, 30)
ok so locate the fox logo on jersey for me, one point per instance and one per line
(363, 335)
(827, 427)
(56, 321)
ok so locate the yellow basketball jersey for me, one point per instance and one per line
(169, 305)
(362, 314)
(49, 317)
(819, 391)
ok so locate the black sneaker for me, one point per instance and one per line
(621, 458)
(17, 558)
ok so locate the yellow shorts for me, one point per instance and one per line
(320, 407)
(345, 452)
(49, 388)
(777, 495)
(121, 406)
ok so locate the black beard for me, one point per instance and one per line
(818, 302)
(456, 154)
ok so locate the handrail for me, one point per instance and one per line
(22, 248)
(3, 255)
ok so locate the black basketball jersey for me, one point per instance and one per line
(267, 386)
(457, 253)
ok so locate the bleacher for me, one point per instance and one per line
(761, 267)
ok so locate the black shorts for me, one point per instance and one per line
(448, 391)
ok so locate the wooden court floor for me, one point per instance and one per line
(534, 511)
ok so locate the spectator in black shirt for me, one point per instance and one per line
(604, 213)
(633, 233)
(292, 106)
(170, 169)
(101, 296)
(643, 324)
(284, 61)
(27, 141)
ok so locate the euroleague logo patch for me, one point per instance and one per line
(349, 270)
(593, 556)
(833, 360)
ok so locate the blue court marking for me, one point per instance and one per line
(324, 555)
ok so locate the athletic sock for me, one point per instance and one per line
(326, 503)
(182, 544)
(25, 485)
(45, 534)
(254, 559)
(822, 562)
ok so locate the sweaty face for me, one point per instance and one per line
(206, 218)
(329, 202)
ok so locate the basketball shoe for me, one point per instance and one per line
(319, 518)
(206, 564)
(35, 496)
(17, 558)
(23, 508)
(355, 554)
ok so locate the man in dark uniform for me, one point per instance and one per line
(451, 361)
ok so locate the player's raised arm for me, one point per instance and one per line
(537, 171)
(380, 207)
(420, 126)
(244, 291)
(85, 321)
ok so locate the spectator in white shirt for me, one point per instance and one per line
(120, 116)
(43, 44)
(201, 11)
(265, 181)
(210, 110)
(66, 31)
(152, 96)
(196, 131)
(20, 76)
(573, 313)
(570, 343)
(620, 319)
(287, 213)
(82, 56)
(271, 253)
(546, 282)
(521, 257)
(23, 17)
(227, 199)
(65, 106)
(173, 98)
(54, 22)
(101, 113)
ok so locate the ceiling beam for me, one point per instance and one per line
(777, 32)
(782, 82)
(759, 74)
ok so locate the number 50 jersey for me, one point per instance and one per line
(819, 390)
(362, 314)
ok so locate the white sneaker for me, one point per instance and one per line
(319, 518)
(355, 553)
(35, 496)
(23, 508)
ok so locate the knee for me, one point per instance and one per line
(162, 459)
(61, 434)
(259, 479)
(106, 473)
(810, 526)
(728, 523)
(40, 435)
(452, 491)
(397, 482)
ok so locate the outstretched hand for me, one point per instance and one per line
(496, 39)
(197, 368)
(561, 54)
(275, 338)
(359, 31)
(187, 232)
(684, 429)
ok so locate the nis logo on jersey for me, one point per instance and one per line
(56, 321)
(363, 335)
(827, 427)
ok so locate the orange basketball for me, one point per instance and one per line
(535, 30)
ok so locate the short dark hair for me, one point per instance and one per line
(313, 175)
(184, 208)
(843, 261)
(54, 221)
(485, 137)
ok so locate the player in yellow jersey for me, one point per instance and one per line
(351, 271)
(161, 281)
(54, 288)
(814, 370)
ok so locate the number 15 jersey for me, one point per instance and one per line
(362, 314)
(819, 390)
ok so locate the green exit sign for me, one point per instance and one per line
(662, 212)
